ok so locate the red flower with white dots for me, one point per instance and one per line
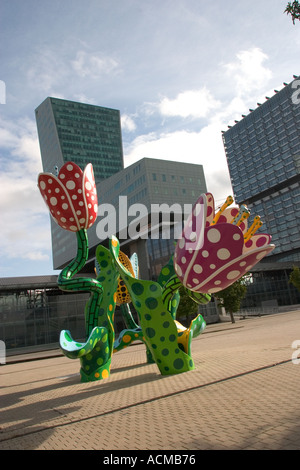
(71, 196)
(217, 248)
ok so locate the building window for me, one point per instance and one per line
(154, 176)
(137, 169)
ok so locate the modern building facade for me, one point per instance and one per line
(263, 155)
(160, 193)
(82, 133)
(33, 312)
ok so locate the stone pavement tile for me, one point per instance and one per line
(187, 419)
(243, 394)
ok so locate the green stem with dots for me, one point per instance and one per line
(132, 333)
(158, 326)
(95, 353)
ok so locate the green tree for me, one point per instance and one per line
(187, 306)
(295, 277)
(293, 9)
(231, 297)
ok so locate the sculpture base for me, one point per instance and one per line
(100, 373)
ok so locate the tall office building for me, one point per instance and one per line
(82, 133)
(263, 155)
(157, 185)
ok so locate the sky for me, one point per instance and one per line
(179, 71)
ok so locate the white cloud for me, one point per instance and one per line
(82, 98)
(45, 69)
(204, 146)
(2, 92)
(189, 103)
(93, 65)
(24, 217)
(19, 139)
(230, 111)
(127, 123)
(248, 72)
(55, 74)
(36, 256)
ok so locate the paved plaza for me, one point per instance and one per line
(243, 395)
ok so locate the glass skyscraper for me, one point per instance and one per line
(263, 155)
(82, 133)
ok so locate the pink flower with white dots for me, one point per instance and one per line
(71, 196)
(216, 249)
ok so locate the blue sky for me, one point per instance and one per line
(179, 71)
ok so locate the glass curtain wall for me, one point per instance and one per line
(36, 317)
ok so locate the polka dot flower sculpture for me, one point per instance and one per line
(72, 201)
(217, 248)
(71, 196)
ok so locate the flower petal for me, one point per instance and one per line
(210, 245)
(58, 201)
(191, 241)
(221, 243)
(233, 270)
(71, 196)
(90, 197)
(71, 177)
(210, 212)
(257, 241)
